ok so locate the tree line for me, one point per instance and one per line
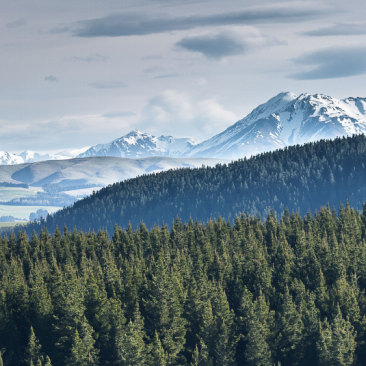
(255, 292)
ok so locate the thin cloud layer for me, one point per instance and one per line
(92, 58)
(108, 85)
(117, 25)
(339, 29)
(222, 44)
(65, 132)
(118, 114)
(335, 62)
(16, 24)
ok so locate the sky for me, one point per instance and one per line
(83, 72)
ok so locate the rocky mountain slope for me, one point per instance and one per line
(285, 120)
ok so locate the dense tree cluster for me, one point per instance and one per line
(298, 178)
(287, 291)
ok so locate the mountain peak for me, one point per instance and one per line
(287, 119)
(137, 144)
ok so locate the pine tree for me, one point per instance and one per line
(224, 336)
(48, 362)
(164, 310)
(336, 345)
(290, 337)
(159, 357)
(130, 344)
(257, 352)
(82, 349)
(32, 352)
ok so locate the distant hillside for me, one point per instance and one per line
(92, 170)
(299, 178)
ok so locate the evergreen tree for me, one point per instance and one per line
(130, 343)
(159, 357)
(257, 352)
(32, 352)
(336, 345)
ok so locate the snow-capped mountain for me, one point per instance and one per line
(140, 145)
(285, 120)
(33, 157)
(28, 156)
(9, 159)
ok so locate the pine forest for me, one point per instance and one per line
(278, 291)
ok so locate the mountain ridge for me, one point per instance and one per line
(284, 120)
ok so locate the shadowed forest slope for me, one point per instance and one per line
(299, 178)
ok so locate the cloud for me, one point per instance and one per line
(339, 29)
(16, 23)
(153, 69)
(177, 114)
(131, 24)
(108, 85)
(69, 131)
(118, 114)
(333, 62)
(51, 78)
(151, 57)
(222, 44)
(92, 58)
(167, 76)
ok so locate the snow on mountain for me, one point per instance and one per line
(29, 156)
(9, 159)
(70, 153)
(285, 120)
(140, 145)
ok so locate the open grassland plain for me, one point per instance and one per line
(12, 224)
(23, 212)
(10, 193)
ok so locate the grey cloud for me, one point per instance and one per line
(118, 114)
(116, 25)
(16, 23)
(108, 85)
(223, 44)
(51, 78)
(334, 62)
(215, 46)
(92, 58)
(340, 29)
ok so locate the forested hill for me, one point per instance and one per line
(288, 292)
(299, 178)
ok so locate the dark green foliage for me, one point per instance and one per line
(287, 291)
(299, 178)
